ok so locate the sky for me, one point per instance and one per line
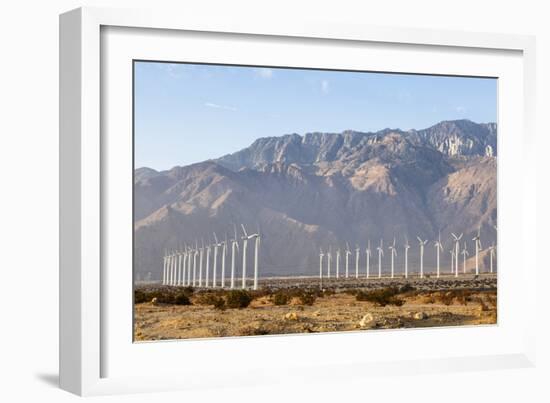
(187, 113)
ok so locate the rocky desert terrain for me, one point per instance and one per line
(283, 306)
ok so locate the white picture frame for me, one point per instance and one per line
(87, 343)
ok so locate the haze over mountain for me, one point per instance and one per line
(326, 189)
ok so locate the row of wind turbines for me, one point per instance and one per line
(455, 253)
(185, 266)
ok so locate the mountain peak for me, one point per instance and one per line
(454, 138)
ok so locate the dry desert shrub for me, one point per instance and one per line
(238, 299)
(381, 297)
(280, 298)
(307, 298)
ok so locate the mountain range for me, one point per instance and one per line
(324, 190)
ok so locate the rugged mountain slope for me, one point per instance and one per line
(324, 189)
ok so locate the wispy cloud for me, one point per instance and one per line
(460, 109)
(325, 86)
(218, 106)
(172, 69)
(264, 73)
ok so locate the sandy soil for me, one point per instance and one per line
(337, 312)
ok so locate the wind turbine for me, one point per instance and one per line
(234, 246)
(329, 261)
(245, 239)
(172, 268)
(438, 248)
(380, 254)
(169, 269)
(201, 255)
(164, 266)
(185, 264)
(207, 266)
(224, 253)
(464, 254)
(422, 243)
(457, 250)
(491, 256)
(215, 267)
(189, 261)
(348, 252)
(477, 241)
(393, 253)
(407, 247)
(357, 251)
(321, 254)
(256, 252)
(195, 254)
(338, 263)
(368, 253)
(182, 257)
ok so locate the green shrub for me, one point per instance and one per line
(238, 299)
(280, 298)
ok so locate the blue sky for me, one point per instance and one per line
(186, 113)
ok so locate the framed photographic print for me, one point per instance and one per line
(233, 196)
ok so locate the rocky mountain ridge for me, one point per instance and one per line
(321, 190)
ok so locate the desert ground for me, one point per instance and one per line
(303, 305)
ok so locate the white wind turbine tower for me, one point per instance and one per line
(452, 252)
(256, 252)
(189, 261)
(457, 250)
(477, 241)
(438, 248)
(491, 256)
(201, 255)
(348, 252)
(380, 254)
(185, 264)
(215, 267)
(245, 239)
(164, 266)
(422, 244)
(224, 253)
(368, 253)
(169, 269)
(407, 247)
(357, 251)
(207, 267)
(321, 255)
(393, 253)
(338, 263)
(182, 257)
(234, 247)
(195, 254)
(464, 254)
(172, 268)
(329, 261)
